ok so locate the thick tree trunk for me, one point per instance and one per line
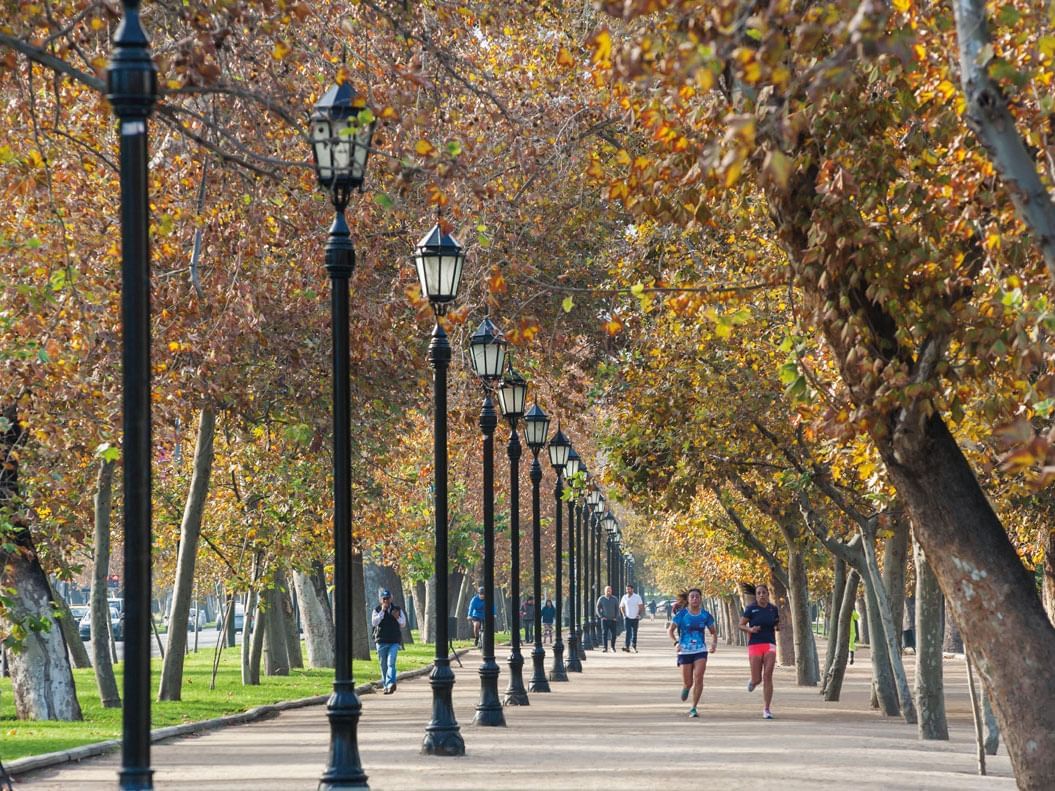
(895, 557)
(786, 633)
(863, 632)
(276, 655)
(421, 608)
(930, 685)
(39, 663)
(296, 656)
(461, 608)
(833, 684)
(70, 632)
(884, 687)
(988, 590)
(807, 672)
(888, 631)
(99, 607)
(190, 531)
(360, 626)
(316, 616)
(429, 624)
(256, 647)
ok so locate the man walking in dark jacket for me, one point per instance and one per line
(388, 620)
(607, 608)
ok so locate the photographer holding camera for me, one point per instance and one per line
(388, 620)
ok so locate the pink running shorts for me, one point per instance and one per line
(760, 649)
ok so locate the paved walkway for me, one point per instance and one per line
(619, 725)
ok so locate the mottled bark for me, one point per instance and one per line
(70, 632)
(833, 683)
(316, 616)
(296, 656)
(99, 607)
(360, 626)
(786, 634)
(807, 671)
(461, 607)
(275, 649)
(930, 684)
(832, 618)
(171, 685)
(895, 558)
(421, 609)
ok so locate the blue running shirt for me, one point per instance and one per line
(691, 629)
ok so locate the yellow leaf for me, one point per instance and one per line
(424, 148)
(564, 58)
(280, 50)
(732, 173)
(602, 48)
(946, 89)
(902, 5)
(567, 304)
(622, 157)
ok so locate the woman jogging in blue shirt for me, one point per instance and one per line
(691, 623)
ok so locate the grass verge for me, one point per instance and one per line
(19, 738)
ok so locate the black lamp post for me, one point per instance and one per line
(132, 89)
(487, 350)
(438, 259)
(536, 429)
(574, 664)
(583, 553)
(559, 449)
(593, 499)
(512, 395)
(340, 132)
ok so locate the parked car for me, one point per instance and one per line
(78, 611)
(116, 625)
(239, 617)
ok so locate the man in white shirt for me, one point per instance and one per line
(631, 606)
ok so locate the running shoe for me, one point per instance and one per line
(750, 686)
(684, 693)
(692, 712)
(767, 714)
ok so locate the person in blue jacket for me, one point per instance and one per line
(476, 613)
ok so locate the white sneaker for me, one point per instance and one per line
(767, 714)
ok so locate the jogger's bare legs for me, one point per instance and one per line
(768, 662)
(699, 667)
(756, 669)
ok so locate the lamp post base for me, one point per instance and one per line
(442, 736)
(539, 682)
(489, 709)
(344, 769)
(516, 695)
(558, 672)
(574, 665)
(587, 639)
(582, 636)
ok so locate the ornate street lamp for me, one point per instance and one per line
(340, 130)
(574, 664)
(512, 395)
(559, 450)
(487, 351)
(536, 429)
(438, 258)
(582, 541)
(132, 89)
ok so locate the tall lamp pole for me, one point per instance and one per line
(340, 130)
(132, 89)
(438, 259)
(559, 449)
(512, 396)
(574, 664)
(581, 580)
(487, 350)
(536, 429)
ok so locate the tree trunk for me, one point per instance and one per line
(296, 656)
(863, 632)
(428, 626)
(190, 530)
(1048, 585)
(421, 608)
(99, 607)
(461, 608)
(952, 640)
(833, 683)
(807, 671)
(315, 615)
(988, 590)
(276, 656)
(990, 726)
(39, 663)
(888, 632)
(360, 626)
(832, 619)
(256, 648)
(895, 557)
(786, 633)
(930, 685)
(884, 686)
(70, 632)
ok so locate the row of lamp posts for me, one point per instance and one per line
(341, 127)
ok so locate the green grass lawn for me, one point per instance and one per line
(20, 738)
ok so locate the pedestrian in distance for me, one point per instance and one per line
(549, 615)
(631, 606)
(527, 617)
(607, 608)
(854, 618)
(691, 623)
(389, 620)
(761, 621)
(652, 610)
(476, 613)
